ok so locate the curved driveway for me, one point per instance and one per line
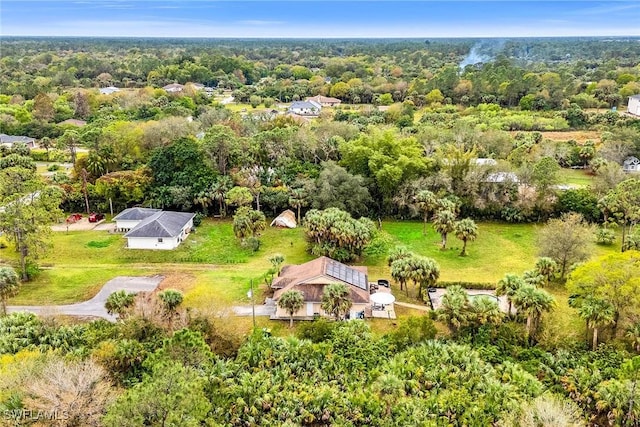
(95, 306)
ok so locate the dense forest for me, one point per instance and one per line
(446, 132)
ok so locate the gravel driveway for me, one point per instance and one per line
(95, 306)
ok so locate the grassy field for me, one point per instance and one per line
(214, 272)
(499, 249)
(576, 177)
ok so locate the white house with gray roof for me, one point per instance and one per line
(129, 218)
(163, 230)
(305, 108)
(10, 140)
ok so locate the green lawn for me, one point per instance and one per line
(578, 177)
(214, 271)
(213, 267)
(499, 249)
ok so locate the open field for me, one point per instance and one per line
(214, 271)
(578, 177)
(579, 136)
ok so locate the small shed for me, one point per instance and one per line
(285, 219)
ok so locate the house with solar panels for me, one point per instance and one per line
(310, 279)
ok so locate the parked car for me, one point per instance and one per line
(95, 217)
(74, 218)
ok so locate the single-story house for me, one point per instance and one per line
(311, 278)
(162, 230)
(9, 140)
(502, 177)
(131, 217)
(305, 108)
(109, 90)
(485, 162)
(73, 122)
(174, 88)
(285, 219)
(325, 101)
(633, 107)
(631, 164)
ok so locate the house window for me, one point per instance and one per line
(159, 239)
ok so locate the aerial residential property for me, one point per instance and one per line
(173, 88)
(154, 229)
(305, 108)
(9, 140)
(320, 213)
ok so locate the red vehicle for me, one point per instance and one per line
(74, 218)
(95, 217)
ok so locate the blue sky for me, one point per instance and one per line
(319, 19)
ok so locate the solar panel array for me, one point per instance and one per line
(347, 274)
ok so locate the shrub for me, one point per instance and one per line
(252, 243)
(197, 220)
(605, 236)
(467, 285)
(317, 331)
(54, 167)
(412, 331)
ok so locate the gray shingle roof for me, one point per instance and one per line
(304, 104)
(161, 224)
(135, 214)
(11, 139)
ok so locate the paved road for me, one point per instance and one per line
(95, 306)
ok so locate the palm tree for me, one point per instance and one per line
(508, 286)
(547, 268)
(596, 313)
(466, 230)
(425, 202)
(397, 253)
(533, 277)
(425, 272)
(486, 311)
(443, 222)
(390, 388)
(400, 271)
(532, 302)
(633, 334)
(298, 199)
(119, 303)
(336, 300)
(292, 301)
(276, 261)
(95, 164)
(8, 287)
(204, 199)
(218, 191)
(454, 308)
(170, 299)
